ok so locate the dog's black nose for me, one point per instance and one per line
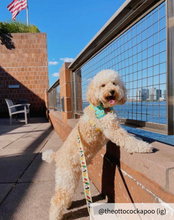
(112, 92)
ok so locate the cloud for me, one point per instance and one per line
(52, 62)
(55, 74)
(66, 59)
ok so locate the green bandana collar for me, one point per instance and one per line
(100, 112)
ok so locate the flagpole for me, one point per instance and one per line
(27, 14)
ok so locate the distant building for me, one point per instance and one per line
(144, 94)
(161, 99)
(164, 94)
(158, 94)
(138, 95)
(152, 93)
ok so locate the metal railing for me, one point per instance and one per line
(139, 54)
(54, 98)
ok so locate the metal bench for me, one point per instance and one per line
(12, 109)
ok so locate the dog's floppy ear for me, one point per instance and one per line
(91, 97)
(124, 99)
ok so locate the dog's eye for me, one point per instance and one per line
(113, 83)
(103, 85)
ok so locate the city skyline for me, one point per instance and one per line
(151, 94)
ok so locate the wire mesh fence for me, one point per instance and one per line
(54, 99)
(139, 56)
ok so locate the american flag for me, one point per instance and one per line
(16, 6)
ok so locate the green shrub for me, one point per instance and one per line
(17, 27)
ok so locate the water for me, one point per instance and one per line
(143, 111)
(154, 112)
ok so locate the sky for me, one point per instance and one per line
(69, 25)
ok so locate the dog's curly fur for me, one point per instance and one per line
(67, 159)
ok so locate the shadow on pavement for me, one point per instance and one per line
(12, 168)
(5, 126)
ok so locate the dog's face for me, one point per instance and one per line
(107, 88)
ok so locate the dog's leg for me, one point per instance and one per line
(66, 184)
(123, 139)
(57, 205)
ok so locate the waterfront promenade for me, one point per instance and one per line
(27, 182)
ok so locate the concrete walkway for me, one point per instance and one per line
(27, 182)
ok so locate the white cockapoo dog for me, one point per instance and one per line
(105, 91)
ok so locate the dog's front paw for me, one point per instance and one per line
(136, 145)
(145, 147)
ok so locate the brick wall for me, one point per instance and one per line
(23, 62)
